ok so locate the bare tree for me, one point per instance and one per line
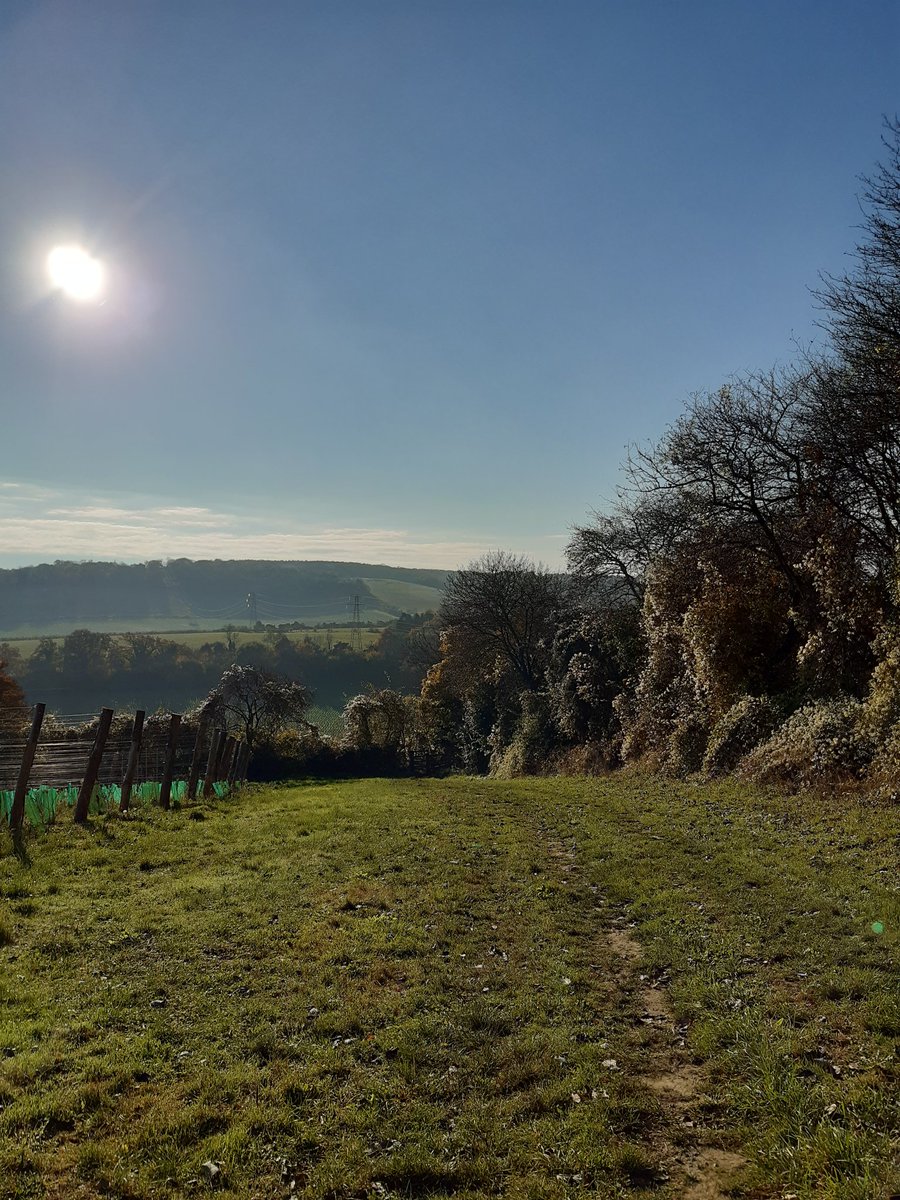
(501, 607)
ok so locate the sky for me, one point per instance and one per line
(400, 280)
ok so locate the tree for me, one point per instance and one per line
(863, 305)
(13, 710)
(378, 719)
(501, 608)
(256, 702)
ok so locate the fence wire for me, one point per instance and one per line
(60, 763)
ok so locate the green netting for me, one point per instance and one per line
(42, 803)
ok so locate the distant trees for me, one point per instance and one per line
(13, 710)
(86, 669)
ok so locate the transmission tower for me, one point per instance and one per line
(356, 628)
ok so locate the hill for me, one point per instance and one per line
(55, 598)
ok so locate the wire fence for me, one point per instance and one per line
(92, 765)
(57, 763)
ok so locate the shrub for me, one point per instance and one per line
(686, 746)
(533, 745)
(819, 740)
(744, 726)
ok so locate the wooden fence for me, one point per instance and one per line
(202, 759)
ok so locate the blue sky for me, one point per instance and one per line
(398, 281)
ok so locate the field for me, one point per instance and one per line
(195, 638)
(541, 989)
(410, 597)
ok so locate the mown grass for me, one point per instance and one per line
(405, 988)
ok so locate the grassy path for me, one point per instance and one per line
(608, 988)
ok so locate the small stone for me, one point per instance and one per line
(212, 1170)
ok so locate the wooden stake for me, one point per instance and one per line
(165, 791)
(231, 748)
(93, 766)
(245, 764)
(217, 736)
(223, 747)
(235, 763)
(137, 731)
(194, 773)
(17, 812)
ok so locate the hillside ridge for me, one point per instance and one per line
(206, 593)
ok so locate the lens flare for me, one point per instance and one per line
(76, 273)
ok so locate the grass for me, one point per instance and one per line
(408, 597)
(412, 988)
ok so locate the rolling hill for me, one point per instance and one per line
(55, 598)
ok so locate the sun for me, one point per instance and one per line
(76, 273)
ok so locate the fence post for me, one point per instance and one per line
(93, 766)
(211, 763)
(194, 773)
(137, 731)
(231, 748)
(223, 746)
(235, 763)
(165, 791)
(17, 812)
(245, 763)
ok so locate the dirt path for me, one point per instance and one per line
(696, 1165)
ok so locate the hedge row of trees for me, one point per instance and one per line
(738, 607)
(87, 669)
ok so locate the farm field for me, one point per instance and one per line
(613, 987)
(410, 597)
(195, 638)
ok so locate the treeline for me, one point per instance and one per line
(737, 609)
(86, 670)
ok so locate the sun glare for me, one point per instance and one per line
(75, 273)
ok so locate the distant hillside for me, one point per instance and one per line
(55, 598)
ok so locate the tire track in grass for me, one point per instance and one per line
(691, 1161)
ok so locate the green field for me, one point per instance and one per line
(195, 638)
(410, 597)
(609, 988)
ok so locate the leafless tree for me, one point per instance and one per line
(501, 607)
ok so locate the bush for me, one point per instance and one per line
(687, 745)
(590, 758)
(747, 723)
(532, 748)
(819, 740)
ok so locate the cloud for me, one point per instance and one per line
(30, 531)
(112, 532)
(168, 517)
